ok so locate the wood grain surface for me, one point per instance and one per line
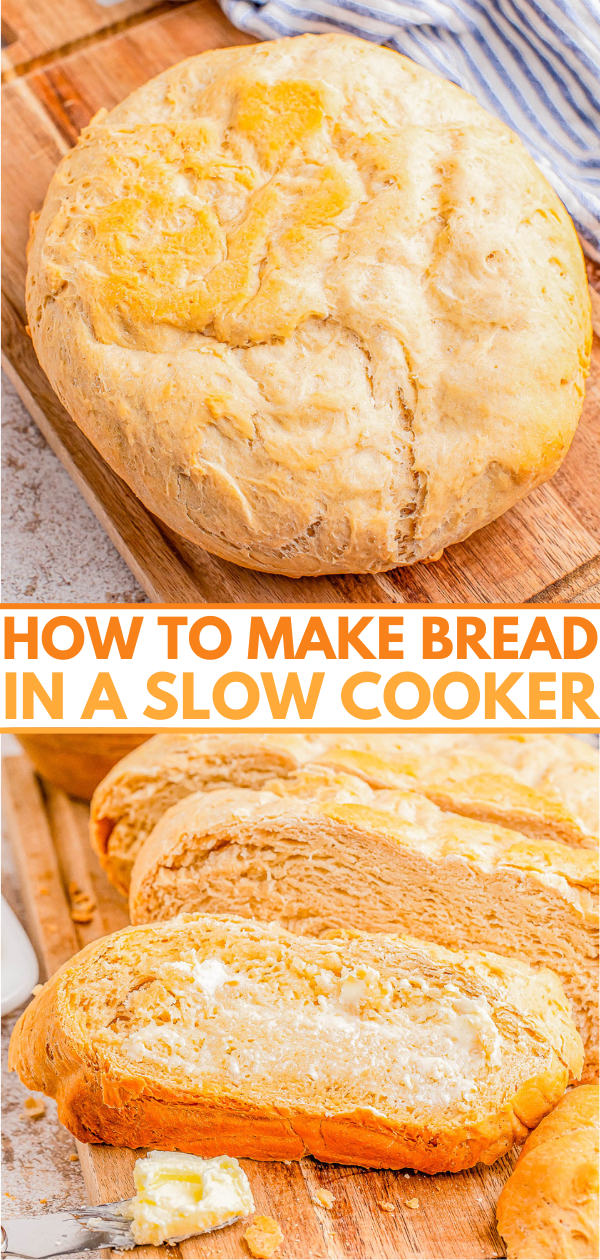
(455, 1219)
(40, 29)
(546, 549)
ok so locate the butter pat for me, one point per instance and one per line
(179, 1195)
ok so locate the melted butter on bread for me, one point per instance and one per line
(274, 1065)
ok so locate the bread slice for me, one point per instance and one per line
(209, 1034)
(321, 850)
(549, 1206)
(138, 790)
(561, 766)
(544, 785)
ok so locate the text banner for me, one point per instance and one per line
(216, 668)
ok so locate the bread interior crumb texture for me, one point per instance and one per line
(323, 1028)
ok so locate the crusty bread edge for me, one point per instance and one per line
(514, 1198)
(151, 762)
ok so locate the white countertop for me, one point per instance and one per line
(53, 548)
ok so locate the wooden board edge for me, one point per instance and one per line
(13, 69)
(569, 589)
(46, 907)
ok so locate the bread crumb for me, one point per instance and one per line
(37, 988)
(431, 559)
(386, 1207)
(82, 906)
(407, 1175)
(34, 1108)
(82, 913)
(263, 1237)
(412, 1203)
(324, 1198)
(74, 1158)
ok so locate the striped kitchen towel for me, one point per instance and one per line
(533, 63)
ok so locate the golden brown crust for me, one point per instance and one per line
(548, 1209)
(324, 211)
(100, 1101)
(482, 786)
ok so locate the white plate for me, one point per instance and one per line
(19, 964)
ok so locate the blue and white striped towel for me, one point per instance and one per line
(533, 63)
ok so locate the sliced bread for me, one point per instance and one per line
(209, 1034)
(137, 791)
(545, 786)
(322, 850)
(542, 785)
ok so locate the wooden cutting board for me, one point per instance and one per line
(456, 1213)
(63, 61)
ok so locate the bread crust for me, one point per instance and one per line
(545, 786)
(99, 1102)
(482, 786)
(293, 293)
(549, 1206)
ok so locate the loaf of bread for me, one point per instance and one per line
(321, 850)
(319, 309)
(548, 1209)
(208, 1034)
(544, 785)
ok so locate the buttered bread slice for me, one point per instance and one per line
(207, 1034)
(322, 850)
(544, 785)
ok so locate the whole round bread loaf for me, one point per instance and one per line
(319, 309)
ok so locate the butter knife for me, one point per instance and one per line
(82, 1229)
(62, 1233)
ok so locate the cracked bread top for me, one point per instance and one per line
(318, 308)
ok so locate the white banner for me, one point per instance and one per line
(217, 668)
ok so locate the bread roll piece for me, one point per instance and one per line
(319, 309)
(131, 799)
(543, 785)
(321, 850)
(208, 1034)
(549, 1207)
